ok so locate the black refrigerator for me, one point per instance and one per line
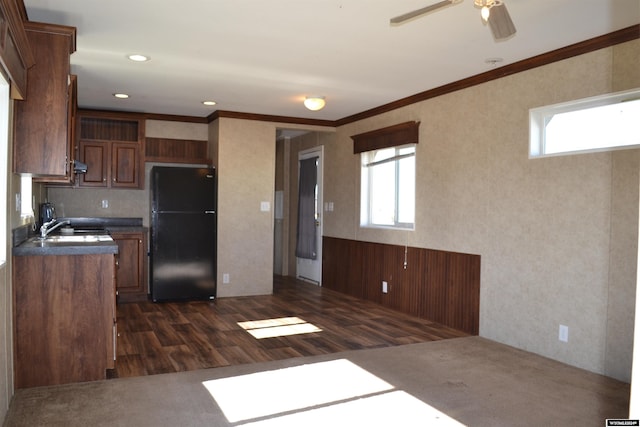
(183, 233)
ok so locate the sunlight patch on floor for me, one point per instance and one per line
(284, 326)
(336, 392)
(395, 408)
(267, 393)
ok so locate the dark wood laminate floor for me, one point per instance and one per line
(157, 338)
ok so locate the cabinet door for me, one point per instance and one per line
(125, 165)
(41, 140)
(130, 273)
(72, 106)
(95, 154)
(63, 318)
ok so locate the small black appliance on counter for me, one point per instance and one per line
(47, 213)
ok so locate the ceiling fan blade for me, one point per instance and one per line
(500, 22)
(407, 16)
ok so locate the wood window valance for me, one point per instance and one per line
(392, 136)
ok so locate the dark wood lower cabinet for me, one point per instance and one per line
(437, 285)
(64, 318)
(131, 274)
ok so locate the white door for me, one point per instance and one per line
(310, 270)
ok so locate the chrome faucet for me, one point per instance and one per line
(44, 230)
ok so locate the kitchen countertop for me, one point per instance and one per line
(36, 246)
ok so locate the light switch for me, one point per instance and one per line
(563, 333)
(265, 206)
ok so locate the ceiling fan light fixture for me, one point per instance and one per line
(314, 103)
(485, 7)
(485, 12)
(500, 23)
(493, 12)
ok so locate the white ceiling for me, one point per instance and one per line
(264, 57)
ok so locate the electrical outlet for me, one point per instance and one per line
(385, 287)
(225, 278)
(563, 333)
(105, 204)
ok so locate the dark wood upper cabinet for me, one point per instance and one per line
(168, 150)
(43, 144)
(95, 155)
(125, 165)
(72, 107)
(111, 147)
(15, 53)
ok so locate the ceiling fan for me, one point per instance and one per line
(494, 12)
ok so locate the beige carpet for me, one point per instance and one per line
(469, 381)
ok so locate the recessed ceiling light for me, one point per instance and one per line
(138, 58)
(121, 95)
(209, 103)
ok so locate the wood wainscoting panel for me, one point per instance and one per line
(437, 285)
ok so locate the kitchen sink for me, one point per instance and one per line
(66, 231)
(72, 238)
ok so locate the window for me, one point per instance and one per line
(26, 195)
(4, 169)
(388, 187)
(593, 124)
(388, 175)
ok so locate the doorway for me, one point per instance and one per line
(310, 221)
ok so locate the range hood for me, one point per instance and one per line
(79, 167)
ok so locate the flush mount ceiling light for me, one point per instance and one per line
(314, 103)
(209, 103)
(121, 95)
(138, 57)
